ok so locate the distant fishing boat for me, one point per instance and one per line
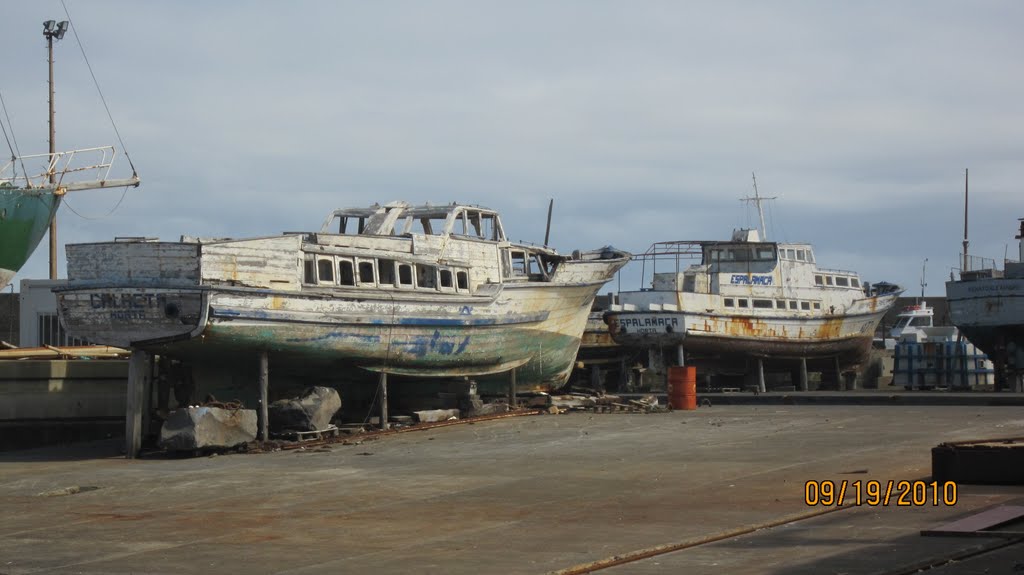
(425, 291)
(31, 189)
(750, 298)
(987, 305)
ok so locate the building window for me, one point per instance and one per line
(51, 332)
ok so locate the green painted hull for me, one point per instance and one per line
(25, 216)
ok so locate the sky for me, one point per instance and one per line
(643, 121)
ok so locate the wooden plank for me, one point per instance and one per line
(978, 523)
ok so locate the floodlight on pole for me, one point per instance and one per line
(53, 30)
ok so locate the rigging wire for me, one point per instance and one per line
(98, 90)
(112, 210)
(16, 148)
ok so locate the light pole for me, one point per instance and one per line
(53, 30)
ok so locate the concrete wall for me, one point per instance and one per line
(9, 314)
(62, 389)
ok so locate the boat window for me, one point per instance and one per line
(841, 281)
(799, 255)
(739, 254)
(690, 283)
(386, 270)
(790, 254)
(765, 254)
(729, 302)
(463, 280)
(763, 303)
(819, 281)
(404, 275)
(780, 304)
(518, 263)
(828, 280)
(309, 275)
(426, 276)
(805, 305)
(817, 305)
(855, 282)
(366, 272)
(743, 303)
(792, 305)
(810, 257)
(325, 270)
(346, 273)
(446, 279)
(919, 322)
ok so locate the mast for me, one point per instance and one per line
(757, 199)
(965, 219)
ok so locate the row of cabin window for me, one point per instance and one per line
(770, 304)
(796, 255)
(369, 272)
(841, 281)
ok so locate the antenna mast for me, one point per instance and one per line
(757, 199)
(965, 219)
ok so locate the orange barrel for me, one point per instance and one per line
(682, 387)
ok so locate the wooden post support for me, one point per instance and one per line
(383, 400)
(264, 383)
(138, 373)
(840, 386)
(760, 375)
(803, 374)
(513, 401)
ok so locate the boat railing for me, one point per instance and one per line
(977, 263)
(838, 271)
(81, 169)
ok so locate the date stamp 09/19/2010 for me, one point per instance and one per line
(903, 493)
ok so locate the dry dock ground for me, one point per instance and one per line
(521, 495)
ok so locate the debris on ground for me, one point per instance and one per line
(596, 403)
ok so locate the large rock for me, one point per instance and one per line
(312, 411)
(194, 428)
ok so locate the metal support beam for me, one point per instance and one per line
(760, 375)
(840, 385)
(264, 383)
(384, 400)
(513, 401)
(803, 374)
(138, 376)
(681, 356)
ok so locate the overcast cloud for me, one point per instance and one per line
(643, 120)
